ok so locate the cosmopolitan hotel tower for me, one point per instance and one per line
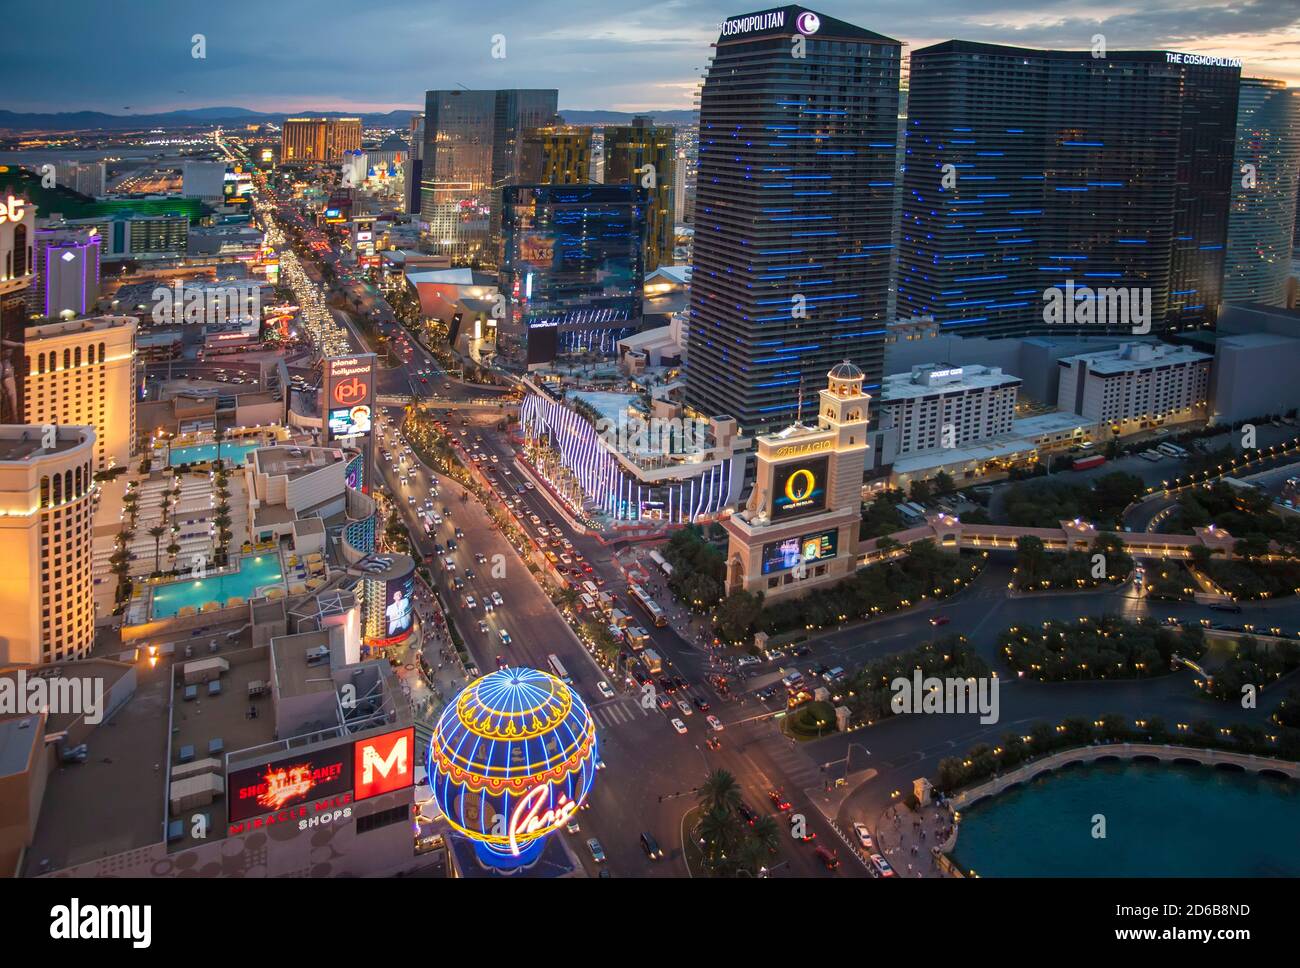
(1028, 169)
(791, 259)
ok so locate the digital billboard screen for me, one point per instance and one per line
(784, 555)
(397, 605)
(287, 782)
(349, 394)
(384, 763)
(799, 488)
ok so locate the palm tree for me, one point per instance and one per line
(719, 791)
(157, 532)
(720, 830)
(750, 856)
(766, 833)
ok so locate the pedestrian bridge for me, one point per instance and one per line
(947, 531)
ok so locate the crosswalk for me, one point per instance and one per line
(619, 711)
(794, 764)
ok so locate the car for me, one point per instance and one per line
(864, 836)
(457, 584)
(482, 560)
(880, 867)
(940, 620)
(483, 626)
(469, 574)
(605, 689)
(501, 662)
(460, 533)
(487, 604)
(497, 599)
(469, 602)
(715, 724)
(828, 858)
(801, 650)
(747, 813)
(701, 704)
(664, 701)
(667, 684)
(505, 636)
(651, 847)
(685, 707)
(572, 827)
(713, 743)
(778, 801)
(597, 851)
(679, 726)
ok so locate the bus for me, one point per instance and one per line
(659, 560)
(638, 595)
(557, 667)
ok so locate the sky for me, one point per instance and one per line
(133, 56)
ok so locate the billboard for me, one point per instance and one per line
(349, 394)
(384, 763)
(287, 782)
(785, 554)
(799, 488)
(398, 593)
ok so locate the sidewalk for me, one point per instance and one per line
(905, 837)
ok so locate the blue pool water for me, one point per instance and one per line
(197, 453)
(253, 571)
(1162, 820)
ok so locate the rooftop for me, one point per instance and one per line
(1137, 356)
(937, 379)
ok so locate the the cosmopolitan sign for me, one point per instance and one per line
(1201, 60)
(805, 21)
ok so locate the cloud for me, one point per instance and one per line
(383, 54)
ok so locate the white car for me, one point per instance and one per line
(864, 836)
(679, 726)
(505, 636)
(497, 599)
(469, 602)
(604, 689)
(715, 724)
(685, 707)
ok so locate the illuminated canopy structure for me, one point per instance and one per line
(511, 760)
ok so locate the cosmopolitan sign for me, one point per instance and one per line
(806, 22)
(1201, 60)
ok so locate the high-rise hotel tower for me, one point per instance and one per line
(1030, 169)
(790, 266)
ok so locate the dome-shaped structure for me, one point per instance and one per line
(845, 371)
(512, 759)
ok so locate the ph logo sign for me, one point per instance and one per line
(384, 763)
(349, 392)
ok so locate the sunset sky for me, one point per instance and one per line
(611, 54)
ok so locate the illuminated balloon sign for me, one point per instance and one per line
(512, 760)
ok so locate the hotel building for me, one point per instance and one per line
(1137, 386)
(644, 154)
(308, 140)
(791, 256)
(83, 372)
(46, 516)
(1262, 221)
(1027, 169)
(17, 272)
(946, 407)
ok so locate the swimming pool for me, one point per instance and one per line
(254, 571)
(198, 453)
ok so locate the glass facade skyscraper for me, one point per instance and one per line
(791, 257)
(472, 149)
(1030, 169)
(629, 151)
(572, 272)
(1261, 224)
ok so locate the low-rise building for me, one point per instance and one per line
(1137, 386)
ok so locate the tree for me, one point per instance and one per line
(943, 483)
(920, 491)
(1031, 556)
(720, 830)
(157, 532)
(766, 833)
(719, 791)
(736, 616)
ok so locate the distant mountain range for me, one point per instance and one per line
(99, 120)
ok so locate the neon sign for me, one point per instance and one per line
(530, 821)
(12, 210)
